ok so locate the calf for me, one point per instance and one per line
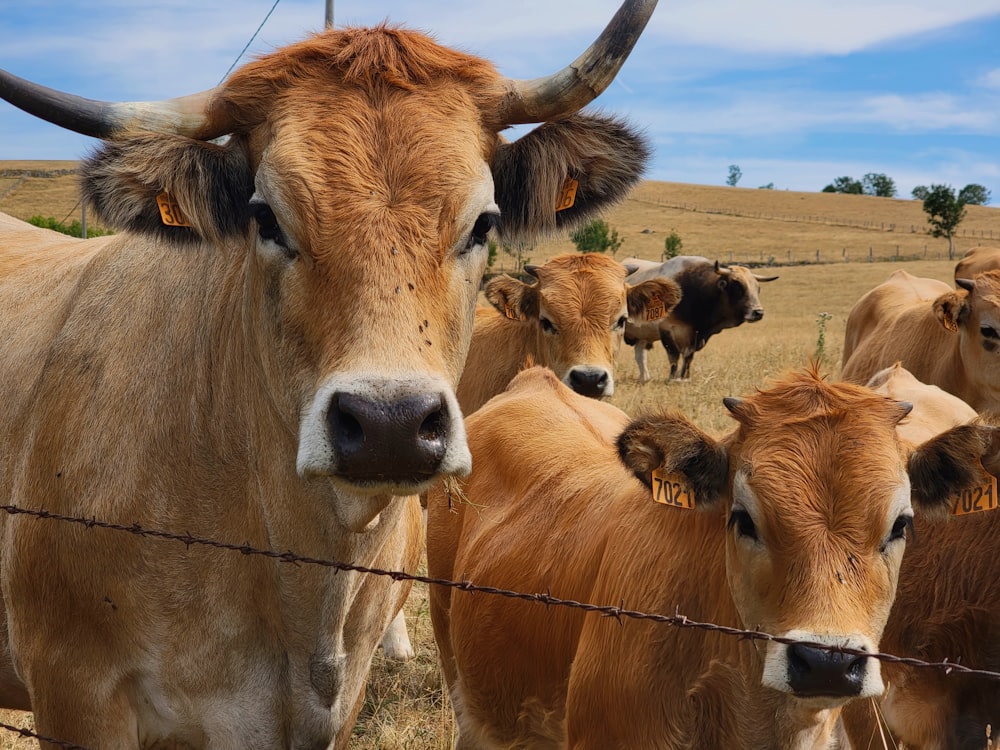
(713, 298)
(798, 526)
(571, 319)
(976, 261)
(946, 337)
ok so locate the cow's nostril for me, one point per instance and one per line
(433, 428)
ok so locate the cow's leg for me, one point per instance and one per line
(673, 353)
(396, 641)
(63, 713)
(688, 355)
(641, 350)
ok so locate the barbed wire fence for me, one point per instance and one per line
(619, 612)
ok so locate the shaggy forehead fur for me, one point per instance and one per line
(582, 289)
(829, 451)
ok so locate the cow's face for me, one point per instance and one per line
(579, 305)
(818, 500)
(741, 288)
(973, 310)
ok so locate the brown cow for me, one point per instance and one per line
(945, 609)
(801, 519)
(571, 319)
(713, 298)
(946, 337)
(976, 261)
(269, 358)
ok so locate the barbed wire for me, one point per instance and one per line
(41, 737)
(619, 612)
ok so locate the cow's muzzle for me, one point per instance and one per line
(825, 674)
(593, 382)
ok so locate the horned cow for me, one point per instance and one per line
(266, 353)
(713, 298)
(794, 524)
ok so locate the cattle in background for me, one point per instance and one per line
(269, 358)
(570, 319)
(798, 528)
(946, 337)
(946, 609)
(713, 298)
(976, 261)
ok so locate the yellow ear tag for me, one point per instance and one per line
(509, 312)
(672, 489)
(949, 324)
(655, 309)
(567, 196)
(170, 212)
(975, 499)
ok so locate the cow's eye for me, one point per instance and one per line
(743, 523)
(547, 325)
(620, 323)
(988, 332)
(899, 528)
(484, 224)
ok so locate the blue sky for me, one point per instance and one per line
(794, 92)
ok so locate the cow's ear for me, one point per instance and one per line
(514, 299)
(673, 446)
(657, 297)
(951, 309)
(960, 459)
(563, 173)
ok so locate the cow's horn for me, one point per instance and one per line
(186, 115)
(578, 84)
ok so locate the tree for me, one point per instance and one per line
(596, 237)
(974, 195)
(945, 212)
(672, 245)
(768, 186)
(735, 173)
(845, 185)
(920, 192)
(879, 185)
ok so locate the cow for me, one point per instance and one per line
(946, 337)
(571, 318)
(799, 521)
(945, 610)
(713, 298)
(976, 261)
(265, 353)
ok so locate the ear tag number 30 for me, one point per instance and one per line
(672, 489)
(975, 499)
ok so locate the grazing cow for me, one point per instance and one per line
(269, 357)
(571, 319)
(946, 337)
(946, 608)
(713, 298)
(799, 526)
(976, 261)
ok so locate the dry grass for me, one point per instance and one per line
(406, 706)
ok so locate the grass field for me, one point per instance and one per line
(406, 707)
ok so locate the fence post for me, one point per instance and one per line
(871, 255)
(817, 255)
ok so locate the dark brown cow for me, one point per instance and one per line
(713, 298)
(946, 337)
(571, 319)
(798, 528)
(270, 357)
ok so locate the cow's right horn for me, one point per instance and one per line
(185, 115)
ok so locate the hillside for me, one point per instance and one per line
(731, 224)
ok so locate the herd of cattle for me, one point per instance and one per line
(282, 346)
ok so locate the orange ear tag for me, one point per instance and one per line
(975, 499)
(170, 212)
(655, 309)
(509, 312)
(949, 324)
(567, 195)
(672, 489)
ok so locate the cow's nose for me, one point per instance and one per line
(755, 315)
(589, 381)
(398, 440)
(816, 672)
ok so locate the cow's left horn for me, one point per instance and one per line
(578, 84)
(187, 115)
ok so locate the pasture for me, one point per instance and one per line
(805, 314)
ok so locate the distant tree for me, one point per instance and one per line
(879, 185)
(945, 212)
(845, 185)
(596, 237)
(974, 195)
(73, 229)
(920, 192)
(735, 173)
(491, 257)
(672, 245)
(768, 186)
